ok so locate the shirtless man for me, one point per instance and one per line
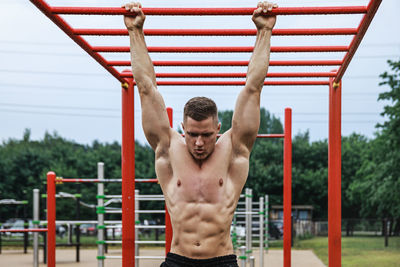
(201, 178)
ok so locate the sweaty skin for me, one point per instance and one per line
(201, 178)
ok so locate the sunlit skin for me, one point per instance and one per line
(201, 177)
(200, 137)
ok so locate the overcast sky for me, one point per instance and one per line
(48, 83)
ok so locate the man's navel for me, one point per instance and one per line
(221, 182)
(178, 183)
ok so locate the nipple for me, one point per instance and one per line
(179, 183)
(221, 182)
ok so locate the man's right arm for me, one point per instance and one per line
(154, 116)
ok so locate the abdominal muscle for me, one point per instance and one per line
(201, 230)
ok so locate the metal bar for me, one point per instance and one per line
(64, 26)
(51, 219)
(209, 11)
(334, 174)
(361, 30)
(287, 189)
(128, 176)
(151, 242)
(266, 247)
(242, 257)
(36, 210)
(218, 32)
(137, 221)
(239, 75)
(237, 83)
(23, 230)
(100, 216)
(151, 257)
(221, 49)
(168, 224)
(261, 231)
(85, 180)
(234, 63)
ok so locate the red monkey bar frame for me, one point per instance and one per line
(334, 82)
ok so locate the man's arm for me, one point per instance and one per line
(246, 118)
(154, 116)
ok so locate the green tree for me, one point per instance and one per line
(377, 186)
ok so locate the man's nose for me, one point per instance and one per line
(199, 141)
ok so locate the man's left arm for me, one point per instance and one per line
(246, 118)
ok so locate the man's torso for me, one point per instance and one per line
(201, 199)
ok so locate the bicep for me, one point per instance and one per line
(246, 119)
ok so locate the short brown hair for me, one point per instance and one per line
(200, 108)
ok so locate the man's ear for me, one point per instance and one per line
(219, 126)
(183, 126)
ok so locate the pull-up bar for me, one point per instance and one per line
(218, 32)
(209, 11)
(222, 49)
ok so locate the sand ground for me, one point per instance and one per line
(66, 258)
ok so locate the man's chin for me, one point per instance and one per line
(198, 156)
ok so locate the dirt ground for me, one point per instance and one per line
(66, 258)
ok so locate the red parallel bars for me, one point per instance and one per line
(128, 175)
(51, 219)
(168, 225)
(63, 25)
(334, 174)
(361, 30)
(287, 189)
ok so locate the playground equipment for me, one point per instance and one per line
(126, 79)
(36, 230)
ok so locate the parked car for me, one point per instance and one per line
(88, 229)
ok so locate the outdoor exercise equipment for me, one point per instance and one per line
(125, 77)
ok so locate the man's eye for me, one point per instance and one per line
(192, 134)
(207, 135)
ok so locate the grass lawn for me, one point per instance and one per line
(357, 251)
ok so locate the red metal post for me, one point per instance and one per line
(168, 226)
(128, 175)
(334, 174)
(51, 219)
(287, 189)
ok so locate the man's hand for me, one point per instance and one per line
(136, 20)
(261, 18)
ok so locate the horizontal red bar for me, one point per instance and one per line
(237, 75)
(261, 135)
(219, 32)
(22, 230)
(235, 83)
(210, 11)
(222, 49)
(235, 63)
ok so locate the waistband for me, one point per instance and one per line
(211, 261)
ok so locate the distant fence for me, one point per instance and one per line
(350, 227)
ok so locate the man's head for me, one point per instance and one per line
(201, 126)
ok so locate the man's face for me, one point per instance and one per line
(200, 136)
